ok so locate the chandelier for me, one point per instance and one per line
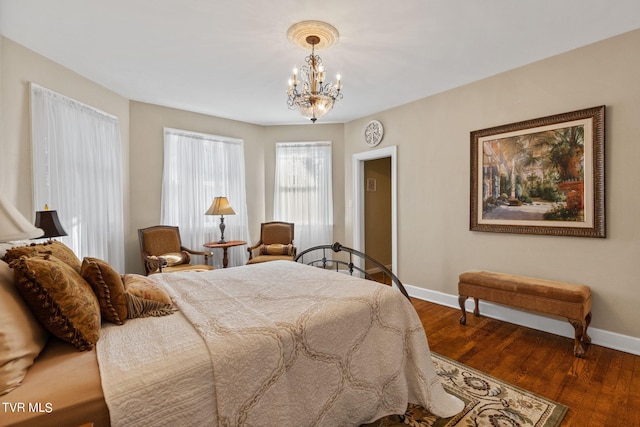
(308, 92)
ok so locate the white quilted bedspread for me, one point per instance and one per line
(272, 344)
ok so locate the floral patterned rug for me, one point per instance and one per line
(488, 402)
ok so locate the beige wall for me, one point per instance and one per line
(432, 135)
(19, 66)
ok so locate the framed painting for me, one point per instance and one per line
(541, 176)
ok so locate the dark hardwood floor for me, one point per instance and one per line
(603, 389)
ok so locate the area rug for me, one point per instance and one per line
(488, 402)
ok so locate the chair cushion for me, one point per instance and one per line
(277, 233)
(265, 258)
(161, 241)
(176, 258)
(276, 249)
(184, 267)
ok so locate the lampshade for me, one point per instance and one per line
(13, 225)
(220, 206)
(49, 222)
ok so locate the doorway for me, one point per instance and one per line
(359, 193)
(377, 211)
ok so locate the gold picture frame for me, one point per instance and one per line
(540, 176)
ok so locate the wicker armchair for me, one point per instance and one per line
(276, 243)
(162, 251)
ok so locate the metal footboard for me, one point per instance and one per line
(348, 266)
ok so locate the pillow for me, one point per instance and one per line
(152, 263)
(60, 298)
(176, 258)
(52, 247)
(22, 338)
(107, 285)
(276, 249)
(145, 297)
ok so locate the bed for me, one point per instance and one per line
(278, 343)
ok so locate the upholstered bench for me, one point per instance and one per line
(544, 296)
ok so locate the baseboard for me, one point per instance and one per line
(552, 325)
(375, 270)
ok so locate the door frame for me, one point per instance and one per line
(358, 160)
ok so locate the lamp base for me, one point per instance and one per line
(222, 227)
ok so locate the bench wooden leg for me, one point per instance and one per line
(461, 300)
(581, 337)
(578, 350)
(476, 311)
(587, 321)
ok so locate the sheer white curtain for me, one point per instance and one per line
(303, 191)
(197, 168)
(77, 171)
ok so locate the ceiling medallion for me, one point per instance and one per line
(308, 93)
(327, 33)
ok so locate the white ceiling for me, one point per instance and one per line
(232, 59)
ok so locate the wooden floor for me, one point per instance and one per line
(601, 390)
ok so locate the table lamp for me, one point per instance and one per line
(49, 222)
(220, 206)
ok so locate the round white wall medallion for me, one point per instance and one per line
(373, 133)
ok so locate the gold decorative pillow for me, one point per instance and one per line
(52, 247)
(276, 249)
(60, 298)
(107, 285)
(176, 258)
(145, 297)
(22, 337)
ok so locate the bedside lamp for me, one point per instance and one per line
(13, 225)
(49, 222)
(220, 206)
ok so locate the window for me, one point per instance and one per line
(77, 171)
(197, 168)
(303, 191)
